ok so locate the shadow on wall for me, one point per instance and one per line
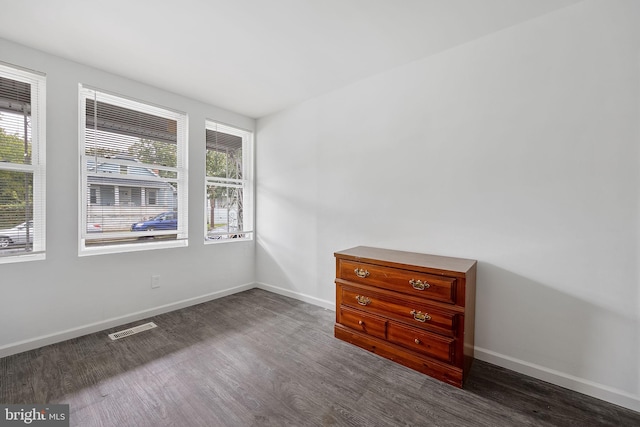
(523, 319)
(270, 270)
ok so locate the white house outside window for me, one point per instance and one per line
(22, 164)
(133, 174)
(229, 182)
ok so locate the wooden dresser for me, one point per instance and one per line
(415, 309)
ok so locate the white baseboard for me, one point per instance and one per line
(41, 341)
(329, 305)
(580, 385)
(590, 388)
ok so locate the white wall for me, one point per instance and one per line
(519, 150)
(67, 295)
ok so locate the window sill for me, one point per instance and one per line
(209, 241)
(23, 258)
(134, 247)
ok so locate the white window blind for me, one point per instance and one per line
(229, 192)
(22, 164)
(134, 172)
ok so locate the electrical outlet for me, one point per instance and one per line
(155, 282)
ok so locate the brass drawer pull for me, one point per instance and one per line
(419, 285)
(363, 300)
(360, 322)
(417, 341)
(361, 272)
(420, 316)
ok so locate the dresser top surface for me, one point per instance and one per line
(406, 259)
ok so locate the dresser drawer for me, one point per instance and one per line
(438, 288)
(418, 314)
(432, 345)
(360, 321)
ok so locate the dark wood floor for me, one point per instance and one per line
(260, 359)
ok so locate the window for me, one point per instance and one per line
(229, 192)
(151, 196)
(22, 164)
(133, 172)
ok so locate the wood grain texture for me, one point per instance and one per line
(440, 288)
(434, 264)
(388, 305)
(260, 359)
(379, 287)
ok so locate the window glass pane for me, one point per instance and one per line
(22, 159)
(154, 152)
(133, 174)
(151, 195)
(228, 182)
(132, 122)
(14, 146)
(115, 205)
(225, 211)
(104, 145)
(224, 155)
(16, 212)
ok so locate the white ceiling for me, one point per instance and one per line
(255, 57)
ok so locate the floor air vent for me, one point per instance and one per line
(131, 331)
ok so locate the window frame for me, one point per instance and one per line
(181, 170)
(246, 183)
(37, 168)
